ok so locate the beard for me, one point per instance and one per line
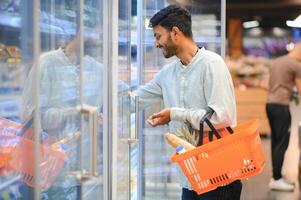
(169, 49)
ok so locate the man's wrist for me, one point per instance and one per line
(177, 114)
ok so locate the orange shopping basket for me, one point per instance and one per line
(17, 154)
(239, 155)
(22, 161)
(8, 141)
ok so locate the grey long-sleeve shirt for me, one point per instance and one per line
(189, 90)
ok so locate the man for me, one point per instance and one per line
(197, 80)
(284, 72)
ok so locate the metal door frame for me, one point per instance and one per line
(36, 94)
(110, 134)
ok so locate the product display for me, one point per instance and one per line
(3, 53)
(14, 54)
(10, 54)
(11, 80)
(249, 71)
(250, 78)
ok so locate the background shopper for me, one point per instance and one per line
(285, 72)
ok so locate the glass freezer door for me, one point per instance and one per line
(51, 81)
(92, 83)
(70, 102)
(127, 137)
(16, 57)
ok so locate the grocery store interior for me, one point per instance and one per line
(70, 124)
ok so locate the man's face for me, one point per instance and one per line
(163, 41)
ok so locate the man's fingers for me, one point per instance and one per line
(156, 115)
(153, 122)
(150, 122)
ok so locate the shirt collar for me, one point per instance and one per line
(194, 58)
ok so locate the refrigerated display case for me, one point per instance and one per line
(67, 113)
(11, 66)
(12, 76)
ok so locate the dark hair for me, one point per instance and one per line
(173, 16)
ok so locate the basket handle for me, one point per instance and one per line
(205, 118)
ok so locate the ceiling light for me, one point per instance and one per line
(250, 24)
(255, 32)
(296, 23)
(278, 32)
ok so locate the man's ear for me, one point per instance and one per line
(175, 33)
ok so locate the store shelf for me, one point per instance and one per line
(10, 107)
(49, 24)
(10, 20)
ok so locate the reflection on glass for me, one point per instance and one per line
(14, 63)
(60, 120)
(60, 89)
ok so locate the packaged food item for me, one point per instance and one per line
(14, 55)
(13, 51)
(180, 150)
(175, 141)
(3, 54)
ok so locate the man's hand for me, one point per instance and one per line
(160, 118)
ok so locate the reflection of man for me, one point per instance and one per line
(59, 89)
(59, 98)
(284, 73)
(198, 79)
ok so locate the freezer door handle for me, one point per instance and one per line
(135, 98)
(91, 112)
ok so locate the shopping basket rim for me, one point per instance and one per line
(253, 125)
